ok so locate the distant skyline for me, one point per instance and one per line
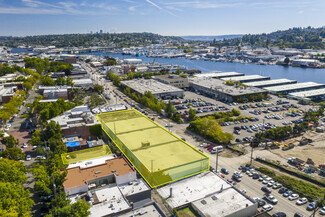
(165, 17)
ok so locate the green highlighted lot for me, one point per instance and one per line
(158, 155)
(86, 154)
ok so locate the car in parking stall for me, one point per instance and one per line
(302, 201)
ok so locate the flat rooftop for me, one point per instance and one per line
(270, 82)
(292, 87)
(78, 176)
(110, 201)
(155, 87)
(133, 187)
(147, 211)
(309, 93)
(219, 74)
(151, 148)
(201, 186)
(220, 86)
(246, 78)
(224, 203)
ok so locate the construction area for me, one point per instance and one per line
(86, 154)
(158, 155)
(305, 153)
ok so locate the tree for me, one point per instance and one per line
(99, 88)
(78, 209)
(12, 171)
(10, 141)
(96, 130)
(95, 100)
(15, 200)
(286, 61)
(170, 109)
(43, 183)
(13, 153)
(191, 114)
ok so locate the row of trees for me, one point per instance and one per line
(12, 152)
(45, 111)
(277, 133)
(11, 108)
(14, 198)
(210, 129)
(48, 81)
(49, 176)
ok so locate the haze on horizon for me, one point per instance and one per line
(166, 17)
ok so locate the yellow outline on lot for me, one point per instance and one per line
(158, 155)
(86, 154)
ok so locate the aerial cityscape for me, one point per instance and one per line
(160, 108)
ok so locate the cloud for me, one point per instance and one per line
(160, 8)
(12, 10)
(34, 4)
(132, 8)
(300, 12)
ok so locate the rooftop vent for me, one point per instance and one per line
(98, 172)
(203, 202)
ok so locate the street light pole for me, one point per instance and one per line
(217, 159)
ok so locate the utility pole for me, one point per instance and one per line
(54, 188)
(217, 158)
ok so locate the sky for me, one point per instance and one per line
(166, 17)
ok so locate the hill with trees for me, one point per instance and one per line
(301, 38)
(86, 40)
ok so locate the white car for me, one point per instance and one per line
(267, 207)
(24, 145)
(271, 199)
(270, 183)
(293, 197)
(267, 180)
(302, 201)
(322, 211)
(28, 157)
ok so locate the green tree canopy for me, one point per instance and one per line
(15, 200)
(12, 171)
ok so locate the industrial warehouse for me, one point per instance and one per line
(290, 88)
(217, 89)
(158, 155)
(270, 83)
(158, 89)
(246, 78)
(219, 74)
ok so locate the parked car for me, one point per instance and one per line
(24, 145)
(287, 193)
(266, 189)
(297, 214)
(311, 206)
(267, 207)
(302, 201)
(225, 171)
(293, 197)
(279, 214)
(282, 190)
(28, 157)
(271, 199)
(322, 211)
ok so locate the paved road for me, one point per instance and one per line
(19, 122)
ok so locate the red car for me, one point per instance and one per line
(229, 180)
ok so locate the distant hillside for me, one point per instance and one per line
(86, 40)
(210, 38)
(301, 38)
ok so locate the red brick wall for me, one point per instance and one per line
(82, 131)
